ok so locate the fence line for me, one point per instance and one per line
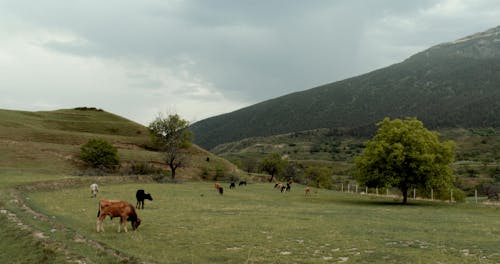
(356, 188)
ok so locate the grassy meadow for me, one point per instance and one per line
(191, 223)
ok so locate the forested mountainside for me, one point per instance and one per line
(455, 84)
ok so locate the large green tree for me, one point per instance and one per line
(171, 135)
(405, 155)
(272, 164)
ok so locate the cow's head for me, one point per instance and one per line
(136, 224)
(147, 196)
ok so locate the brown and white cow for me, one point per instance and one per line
(117, 208)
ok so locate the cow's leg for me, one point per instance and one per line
(99, 225)
(123, 223)
(120, 225)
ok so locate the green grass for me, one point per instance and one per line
(190, 223)
(18, 246)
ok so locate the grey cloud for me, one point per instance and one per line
(252, 50)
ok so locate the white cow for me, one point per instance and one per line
(94, 189)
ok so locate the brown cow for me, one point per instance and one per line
(116, 208)
(308, 190)
(217, 186)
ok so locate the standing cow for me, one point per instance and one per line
(117, 208)
(140, 195)
(94, 189)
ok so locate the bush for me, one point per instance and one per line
(140, 168)
(164, 177)
(98, 153)
(495, 173)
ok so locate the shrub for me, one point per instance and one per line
(98, 153)
(204, 173)
(140, 168)
(164, 177)
(495, 173)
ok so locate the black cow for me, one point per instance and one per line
(221, 190)
(232, 185)
(140, 195)
(243, 183)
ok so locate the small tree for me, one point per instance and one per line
(171, 135)
(99, 153)
(405, 155)
(249, 164)
(272, 164)
(291, 172)
(321, 176)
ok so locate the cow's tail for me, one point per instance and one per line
(99, 209)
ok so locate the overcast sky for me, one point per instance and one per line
(208, 57)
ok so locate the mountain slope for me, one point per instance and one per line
(454, 84)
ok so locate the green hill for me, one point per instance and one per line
(450, 85)
(48, 143)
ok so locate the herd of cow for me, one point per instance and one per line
(126, 211)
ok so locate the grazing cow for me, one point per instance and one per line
(221, 190)
(140, 195)
(242, 183)
(278, 186)
(116, 208)
(308, 191)
(217, 186)
(282, 189)
(94, 189)
(232, 185)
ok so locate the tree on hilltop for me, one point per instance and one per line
(405, 155)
